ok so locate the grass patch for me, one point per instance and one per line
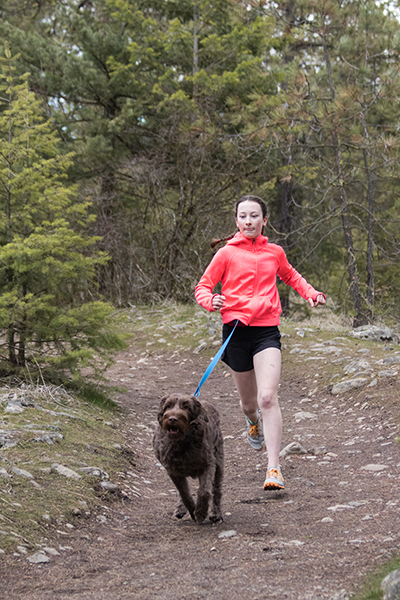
(92, 394)
(371, 590)
(38, 504)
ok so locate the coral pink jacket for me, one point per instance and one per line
(247, 269)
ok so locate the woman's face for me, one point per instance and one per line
(249, 219)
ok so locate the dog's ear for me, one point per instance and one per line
(160, 413)
(198, 410)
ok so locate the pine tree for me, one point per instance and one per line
(47, 261)
(338, 92)
(153, 98)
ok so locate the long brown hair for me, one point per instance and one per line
(215, 241)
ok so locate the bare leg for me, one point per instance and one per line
(259, 388)
(267, 367)
(246, 386)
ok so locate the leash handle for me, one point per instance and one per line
(214, 361)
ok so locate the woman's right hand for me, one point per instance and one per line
(320, 300)
(217, 302)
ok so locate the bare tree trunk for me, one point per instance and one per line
(8, 205)
(195, 46)
(22, 334)
(22, 349)
(195, 40)
(358, 304)
(107, 214)
(286, 186)
(11, 345)
(285, 226)
(371, 219)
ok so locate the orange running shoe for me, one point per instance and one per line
(255, 435)
(274, 480)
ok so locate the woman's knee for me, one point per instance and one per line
(268, 399)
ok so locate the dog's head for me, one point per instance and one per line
(177, 414)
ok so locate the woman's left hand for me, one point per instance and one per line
(320, 300)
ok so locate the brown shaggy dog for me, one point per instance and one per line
(188, 443)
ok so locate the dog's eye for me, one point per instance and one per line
(185, 405)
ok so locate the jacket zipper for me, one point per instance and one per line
(255, 293)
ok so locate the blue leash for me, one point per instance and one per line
(214, 361)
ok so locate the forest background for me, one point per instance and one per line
(129, 128)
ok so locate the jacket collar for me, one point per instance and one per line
(241, 240)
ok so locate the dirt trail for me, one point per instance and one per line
(333, 523)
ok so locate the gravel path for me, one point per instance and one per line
(337, 519)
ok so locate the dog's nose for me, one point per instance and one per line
(172, 420)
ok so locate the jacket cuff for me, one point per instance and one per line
(314, 298)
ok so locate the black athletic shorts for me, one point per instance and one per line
(246, 342)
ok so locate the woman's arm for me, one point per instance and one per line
(291, 277)
(204, 289)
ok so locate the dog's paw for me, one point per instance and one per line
(200, 513)
(216, 517)
(199, 517)
(180, 511)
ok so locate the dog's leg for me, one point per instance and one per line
(181, 484)
(216, 513)
(204, 494)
